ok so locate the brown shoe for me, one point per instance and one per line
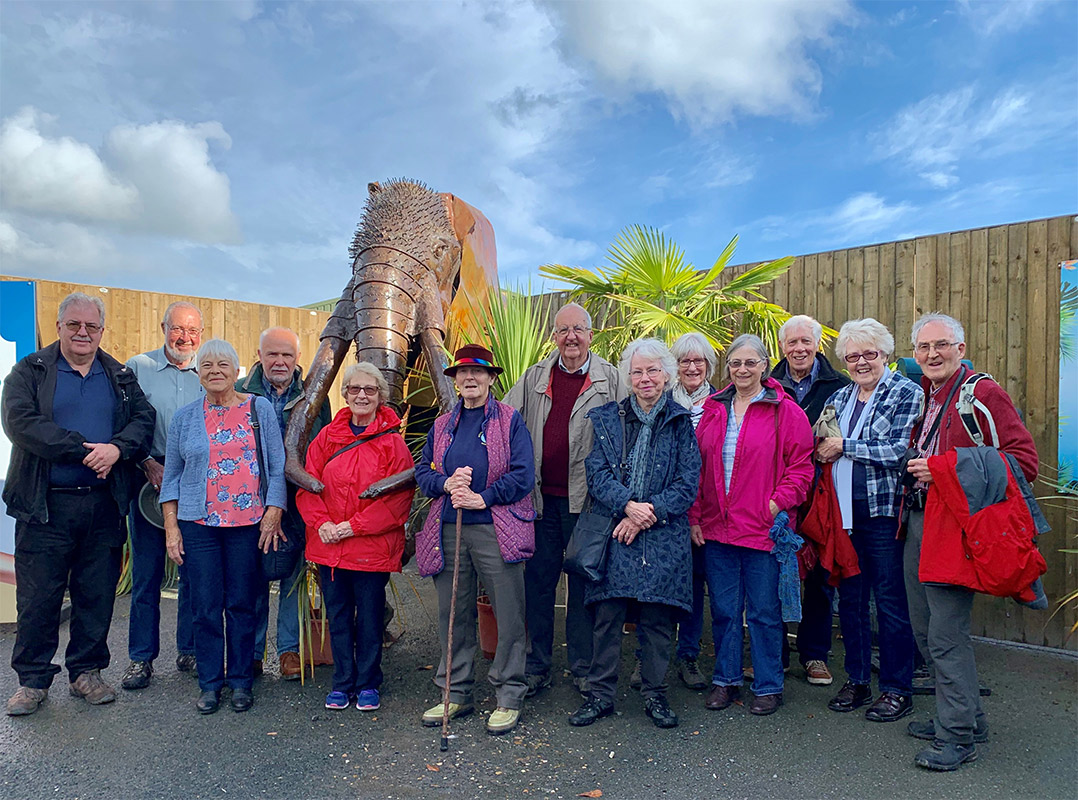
(768, 704)
(92, 689)
(817, 673)
(25, 701)
(291, 668)
(721, 697)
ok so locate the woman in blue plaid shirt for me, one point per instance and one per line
(876, 415)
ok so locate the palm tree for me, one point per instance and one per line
(649, 289)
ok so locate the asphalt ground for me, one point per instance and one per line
(152, 743)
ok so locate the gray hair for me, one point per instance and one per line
(694, 343)
(79, 299)
(180, 304)
(801, 321)
(648, 348)
(754, 343)
(371, 371)
(865, 330)
(957, 331)
(278, 329)
(577, 306)
(216, 348)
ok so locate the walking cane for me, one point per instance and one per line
(449, 636)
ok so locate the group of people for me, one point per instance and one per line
(765, 486)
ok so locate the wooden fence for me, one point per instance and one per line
(1003, 284)
(133, 321)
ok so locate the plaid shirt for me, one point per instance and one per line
(884, 437)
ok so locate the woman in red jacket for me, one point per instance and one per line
(356, 542)
(756, 447)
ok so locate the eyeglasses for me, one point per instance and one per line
(924, 348)
(91, 327)
(353, 391)
(563, 331)
(176, 330)
(692, 362)
(748, 363)
(651, 372)
(868, 355)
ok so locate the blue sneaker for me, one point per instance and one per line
(337, 700)
(368, 700)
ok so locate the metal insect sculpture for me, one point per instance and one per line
(421, 261)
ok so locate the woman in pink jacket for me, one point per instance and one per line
(756, 446)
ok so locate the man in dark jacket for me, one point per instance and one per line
(278, 377)
(809, 378)
(78, 424)
(941, 613)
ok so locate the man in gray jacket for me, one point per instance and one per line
(554, 396)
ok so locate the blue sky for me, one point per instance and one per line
(224, 148)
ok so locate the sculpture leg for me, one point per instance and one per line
(320, 376)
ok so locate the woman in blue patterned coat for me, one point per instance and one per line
(649, 559)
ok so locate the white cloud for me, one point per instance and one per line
(55, 250)
(155, 179)
(1001, 16)
(709, 59)
(936, 135)
(182, 194)
(857, 220)
(58, 176)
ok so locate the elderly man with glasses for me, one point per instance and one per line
(940, 607)
(554, 397)
(169, 380)
(78, 424)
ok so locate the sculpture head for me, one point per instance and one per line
(407, 256)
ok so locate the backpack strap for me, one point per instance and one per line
(966, 406)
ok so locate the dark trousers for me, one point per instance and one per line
(79, 550)
(355, 602)
(147, 571)
(691, 623)
(224, 570)
(941, 616)
(541, 576)
(654, 632)
(814, 629)
(879, 553)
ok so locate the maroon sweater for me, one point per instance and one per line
(564, 390)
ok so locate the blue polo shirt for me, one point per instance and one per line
(86, 405)
(801, 387)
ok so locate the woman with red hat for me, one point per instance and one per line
(478, 460)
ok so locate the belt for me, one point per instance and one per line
(79, 490)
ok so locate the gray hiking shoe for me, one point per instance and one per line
(92, 689)
(25, 701)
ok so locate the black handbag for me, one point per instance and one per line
(279, 562)
(585, 555)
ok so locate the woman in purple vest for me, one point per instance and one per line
(478, 459)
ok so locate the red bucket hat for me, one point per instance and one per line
(473, 355)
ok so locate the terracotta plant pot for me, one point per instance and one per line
(320, 648)
(488, 627)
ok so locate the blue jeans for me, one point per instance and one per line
(814, 629)
(147, 572)
(691, 624)
(287, 613)
(742, 580)
(355, 602)
(879, 553)
(224, 569)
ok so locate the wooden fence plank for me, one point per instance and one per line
(839, 287)
(977, 326)
(994, 360)
(856, 298)
(905, 289)
(810, 305)
(924, 276)
(959, 276)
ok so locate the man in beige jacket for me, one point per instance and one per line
(553, 396)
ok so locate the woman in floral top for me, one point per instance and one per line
(219, 511)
